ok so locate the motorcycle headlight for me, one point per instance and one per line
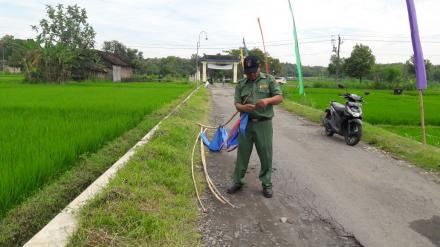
(356, 114)
(354, 111)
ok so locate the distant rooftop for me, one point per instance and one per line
(113, 59)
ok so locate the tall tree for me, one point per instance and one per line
(275, 66)
(412, 71)
(65, 37)
(5, 45)
(67, 26)
(333, 65)
(274, 63)
(436, 73)
(116, 48)
(24, 54)
(387, 73)
(31, 60)
(132, 56)
(360, 63)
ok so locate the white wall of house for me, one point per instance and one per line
(116, 73)
(12, 69)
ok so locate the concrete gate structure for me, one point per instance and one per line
(220, 62)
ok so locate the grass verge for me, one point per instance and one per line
(22, 222)
(151, 201)
(414, 132)
(425, 156)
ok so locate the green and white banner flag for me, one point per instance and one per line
(298, 56)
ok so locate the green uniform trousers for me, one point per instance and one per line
(261, 134)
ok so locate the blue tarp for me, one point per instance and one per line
(223, 140)
(243, 122)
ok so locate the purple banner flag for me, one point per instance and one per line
(419, 61)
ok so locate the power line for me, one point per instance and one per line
(392, 41)
(407, 54)
(274, 43)
(169, 47)
(306, 40)
(302, 54)
(406, 37)
(218, 44)
(378, 36)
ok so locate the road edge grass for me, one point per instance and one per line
(151, 201)
(424, 156)
(25, 220)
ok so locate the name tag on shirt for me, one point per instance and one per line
(264, 86)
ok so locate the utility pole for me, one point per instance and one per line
(338, 64)
(337, 50)
(197, 57)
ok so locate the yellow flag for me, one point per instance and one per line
(242, 57)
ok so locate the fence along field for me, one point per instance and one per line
(45, 128)
(397, 113)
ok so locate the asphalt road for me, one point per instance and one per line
(331, 194)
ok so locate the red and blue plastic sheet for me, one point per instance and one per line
(224, 141)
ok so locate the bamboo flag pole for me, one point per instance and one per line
(264, 47)
(422, 117)
(419, 61)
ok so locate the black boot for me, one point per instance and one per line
(234, 188)
(267, 192)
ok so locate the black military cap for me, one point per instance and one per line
(251, 64)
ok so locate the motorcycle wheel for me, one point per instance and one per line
(328, 130)
(355, 137)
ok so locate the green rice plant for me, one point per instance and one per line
(45, 129)
(11, 78)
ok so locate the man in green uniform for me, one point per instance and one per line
(256, 95)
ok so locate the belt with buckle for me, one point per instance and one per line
(257, 120)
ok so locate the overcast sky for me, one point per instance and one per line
(171, 27)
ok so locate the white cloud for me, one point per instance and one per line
(177, 23)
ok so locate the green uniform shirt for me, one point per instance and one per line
(263, 87)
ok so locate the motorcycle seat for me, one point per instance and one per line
(339, 108)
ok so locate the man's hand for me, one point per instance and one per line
(262, 103)
(275, 100)
(245, 108)
(248, 107)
